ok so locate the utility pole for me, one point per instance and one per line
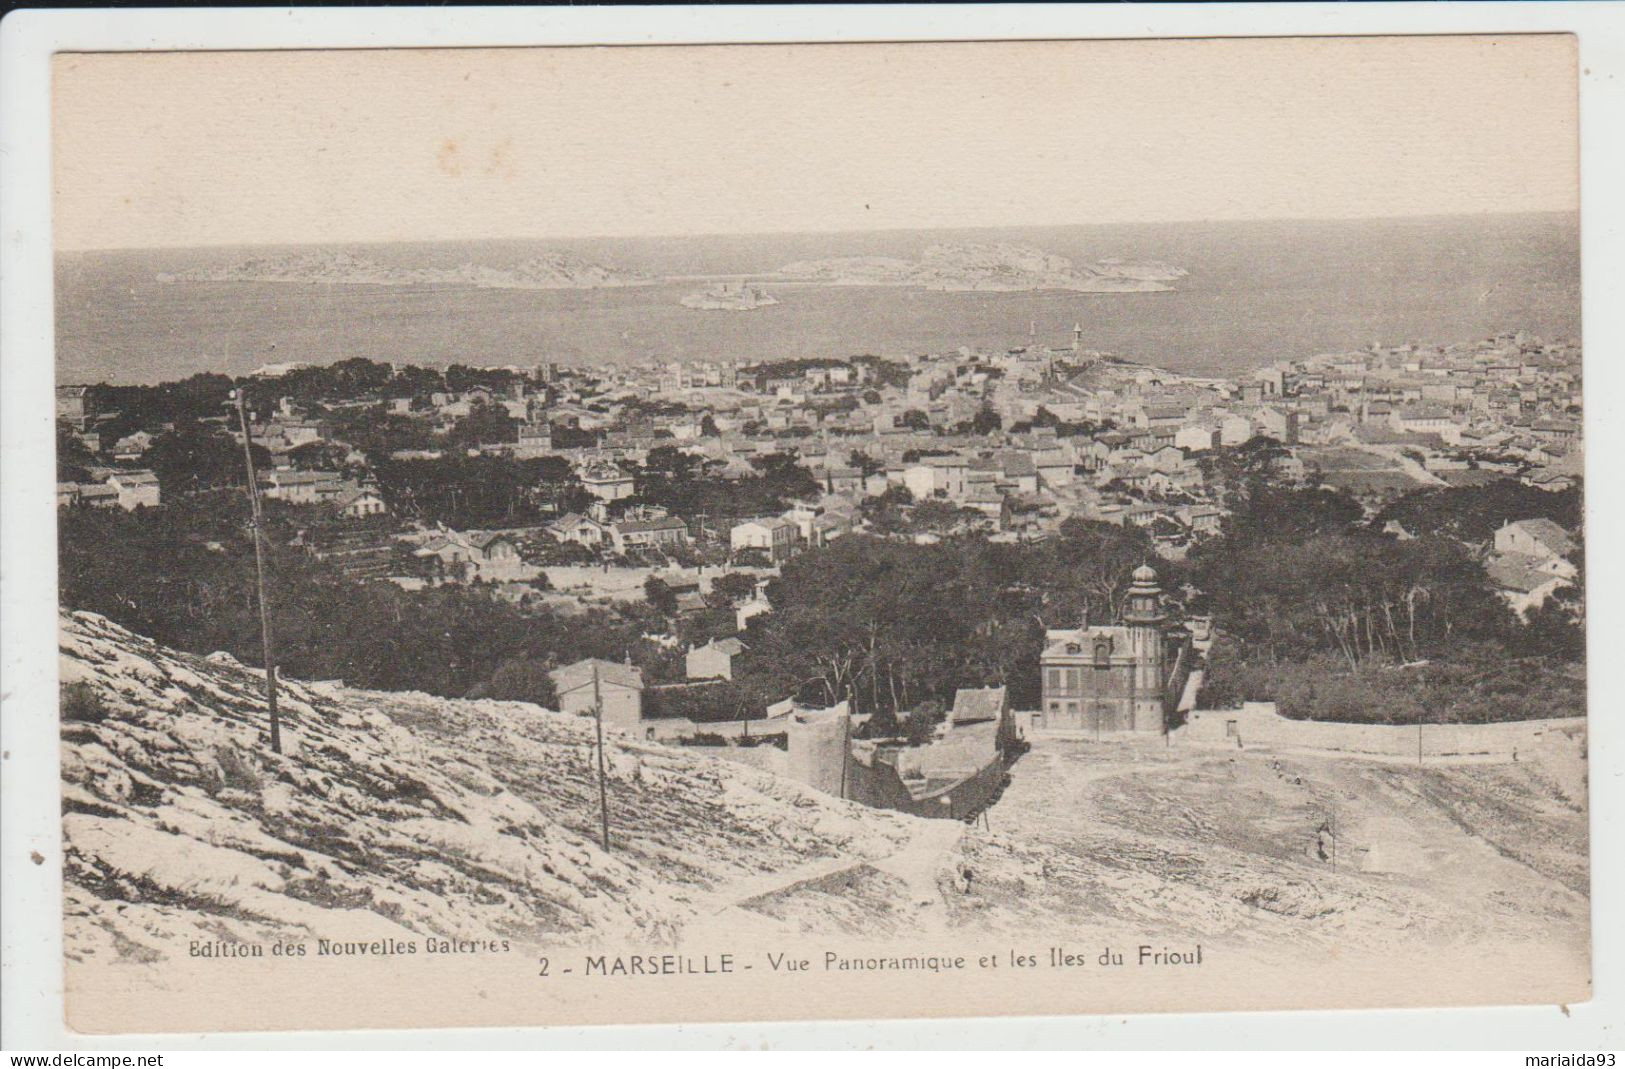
(603, 790)
(846, 737)
(259, 574)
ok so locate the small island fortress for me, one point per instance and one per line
(1116, 678)
(730, 297)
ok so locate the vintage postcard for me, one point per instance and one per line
(614, 535)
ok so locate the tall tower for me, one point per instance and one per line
(1077, 336)
(1144, 618)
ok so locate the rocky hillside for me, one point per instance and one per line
(408, 816)
(395, 815)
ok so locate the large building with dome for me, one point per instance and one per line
(1117, 678)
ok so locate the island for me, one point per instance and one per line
(729, 297)
(1002, 267)
(546, 271)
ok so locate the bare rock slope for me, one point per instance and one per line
(406, 815)
(395, 814)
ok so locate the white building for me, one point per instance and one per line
(136, 489)
(714, 660)
(619, 687)
(776, 537)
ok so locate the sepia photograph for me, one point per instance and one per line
(623, 535)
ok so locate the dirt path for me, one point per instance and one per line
(920, 864)
(1406, 464)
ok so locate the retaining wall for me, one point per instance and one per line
(878, 784)
(1259, 724)
(964, 748)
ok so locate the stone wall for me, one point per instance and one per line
(1259, 724)
(873, 779)
(961, 751)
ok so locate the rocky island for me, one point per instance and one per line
(550, 270)
(727, 297)
(1002, 267)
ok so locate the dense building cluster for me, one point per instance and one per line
(1009, 444)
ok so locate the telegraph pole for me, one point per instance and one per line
(259, 574)
(846, 736)
(603, 790)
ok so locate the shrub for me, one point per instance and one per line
(81, 703)
(236, 770)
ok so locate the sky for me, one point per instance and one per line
(224, 148)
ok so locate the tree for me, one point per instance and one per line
(1236, 472)
(885, 512)
(920, 726)
(708, 426)
(936, 516)
(479, 491)
(1093, 564)
(866, 464)
(1556, 627)
(672, 462)
(319, 456)
(986, 420)
(1269, 513)
(72, 458)
(660, 595)
(1360, 597)
(915, 420)
(196, 457)
(1473, 513)
(184, 576)
(733, 587)
(520, 680)
(484, 423)
(892, 624)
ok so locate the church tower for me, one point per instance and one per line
(1144, 618)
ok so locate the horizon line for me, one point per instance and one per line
(1421, 216)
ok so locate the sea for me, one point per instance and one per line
(1256, 292)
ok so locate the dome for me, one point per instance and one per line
(1145, 574)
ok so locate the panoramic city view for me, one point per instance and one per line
(1213, 591)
